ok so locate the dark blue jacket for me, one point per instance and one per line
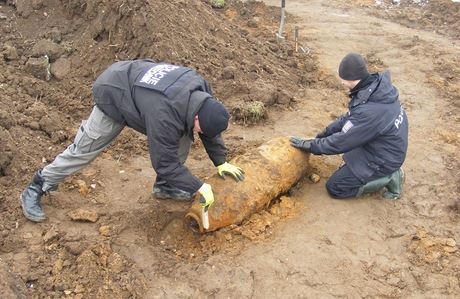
(161, 101)
(373, 134)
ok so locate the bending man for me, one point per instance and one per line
(166, 102)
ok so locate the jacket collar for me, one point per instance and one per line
(361, 93)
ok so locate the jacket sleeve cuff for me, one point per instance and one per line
(218, 160)
(314, 148)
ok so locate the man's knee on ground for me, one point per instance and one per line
(336, 192)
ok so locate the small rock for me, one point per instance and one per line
(6, 119)
(314, 178)
(450, 249)
(49, 125)
(228, 73)
(116, 263)
(253, 76)
(67, 263)
(422, 234)
(49, 48)
(55, 35)
(2, 16)
(51, 235)
(284, 98)
(274, 48)
(82, 187)
(83, 215)
(10, 53)
(61, 68)
(450, 242)
(34, 125)
(33, 276)
(105, 230)
(75, 248)
(79, 289)
(268, 69)
(61, 286)
(427, 242)
(254, 22)
(57, 268)
(39, 68)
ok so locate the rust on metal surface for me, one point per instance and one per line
(270, 170)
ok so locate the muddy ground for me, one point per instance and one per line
(107, 238)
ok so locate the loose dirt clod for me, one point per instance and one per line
(83, 215)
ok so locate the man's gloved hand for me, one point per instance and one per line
(227, 168)
(207, 197)
(322, 134)
(303, 144)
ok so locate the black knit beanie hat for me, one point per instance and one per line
(353, 67)
(213, 118)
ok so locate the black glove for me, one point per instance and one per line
(303, 144)
(322, 134)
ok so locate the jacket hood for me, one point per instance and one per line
(380, 90)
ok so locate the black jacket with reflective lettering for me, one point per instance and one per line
(161, 101)
(373, 134)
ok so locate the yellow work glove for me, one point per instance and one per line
(207, 197)
(227, 168)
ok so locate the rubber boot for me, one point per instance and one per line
(31, 199)
(162, 190)
(374, 186)
(394, 187)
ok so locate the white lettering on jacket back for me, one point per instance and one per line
(156, 73)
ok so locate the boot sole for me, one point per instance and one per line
(166, 197)
(28, 216)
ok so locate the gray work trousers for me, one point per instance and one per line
(93, 136)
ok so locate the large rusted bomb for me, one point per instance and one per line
(270, 170)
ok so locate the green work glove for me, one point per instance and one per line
(227, 168)
(303, 144)
(207, 197)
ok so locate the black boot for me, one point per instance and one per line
(162, 190)
(30, 199)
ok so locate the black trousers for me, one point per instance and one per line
(344, 184)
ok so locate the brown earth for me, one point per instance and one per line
(106, 237)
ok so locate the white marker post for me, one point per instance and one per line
(279, 35)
